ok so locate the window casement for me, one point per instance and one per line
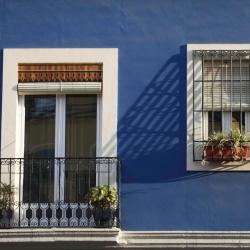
(58, 105)
(218, 99)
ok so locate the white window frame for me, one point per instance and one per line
(199, 165)
(13, 112)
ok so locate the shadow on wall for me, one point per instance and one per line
(152, 133)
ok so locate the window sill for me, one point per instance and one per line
(108, 235)
(220, 166)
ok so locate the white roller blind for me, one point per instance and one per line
(37, 88)
(226, 87)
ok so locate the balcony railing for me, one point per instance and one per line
(55, 192)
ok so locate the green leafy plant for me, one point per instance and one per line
(6, 196)
(233, 139)
(102, 196)
(229, 147)
(237, 138)
(216, 139)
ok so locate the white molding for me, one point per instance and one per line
(184, 239)
(127, 239)
(199, 165)
(59, 235)
(107, 56)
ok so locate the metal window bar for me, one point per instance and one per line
(235, 58)
(240, 96)
(194, 108)
(202, 87)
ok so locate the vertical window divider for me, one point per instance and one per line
(202, 103)
(248, 100)
(212, 60)
(193, 109)
(20, 151)
(222, 61)
(60, 147)
(231, 86)
(240, 95)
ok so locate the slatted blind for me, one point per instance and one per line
(226, 85)
(82, 78)
(59, 87)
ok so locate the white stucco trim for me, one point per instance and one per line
(102, 235)
(10, 141)
(106, 238)
(198, 165)
(184, 239)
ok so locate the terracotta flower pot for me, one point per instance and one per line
(213, 153)
(244, 152)
(241, 153)
(228, 153)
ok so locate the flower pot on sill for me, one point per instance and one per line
(213, 153)
(228, 153)
(103, 216)
(242, 153)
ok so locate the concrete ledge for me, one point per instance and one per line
(87, 238)
(59, 235)
(185, 239)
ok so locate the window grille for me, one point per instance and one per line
(221, 94)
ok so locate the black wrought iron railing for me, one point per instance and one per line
(59, 192)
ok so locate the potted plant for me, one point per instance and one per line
(226, 147)
(213, 147)
(6, 200)
(103, 199)
(239, 143)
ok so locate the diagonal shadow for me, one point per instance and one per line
(152, 133)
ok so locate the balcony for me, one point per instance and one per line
(56, 192)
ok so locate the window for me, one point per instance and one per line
(74, 116)
(59, 103)
(214, 121)
(40, 141)
(80, 141)
(218, 97)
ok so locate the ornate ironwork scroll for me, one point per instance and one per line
(84, 72)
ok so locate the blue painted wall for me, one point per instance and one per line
(157, 192)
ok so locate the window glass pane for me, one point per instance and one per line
(214, 122)
(39, 143)
(80, 142)
(236, 120)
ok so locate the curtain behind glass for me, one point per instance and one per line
(39, 143)
(80, 142)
